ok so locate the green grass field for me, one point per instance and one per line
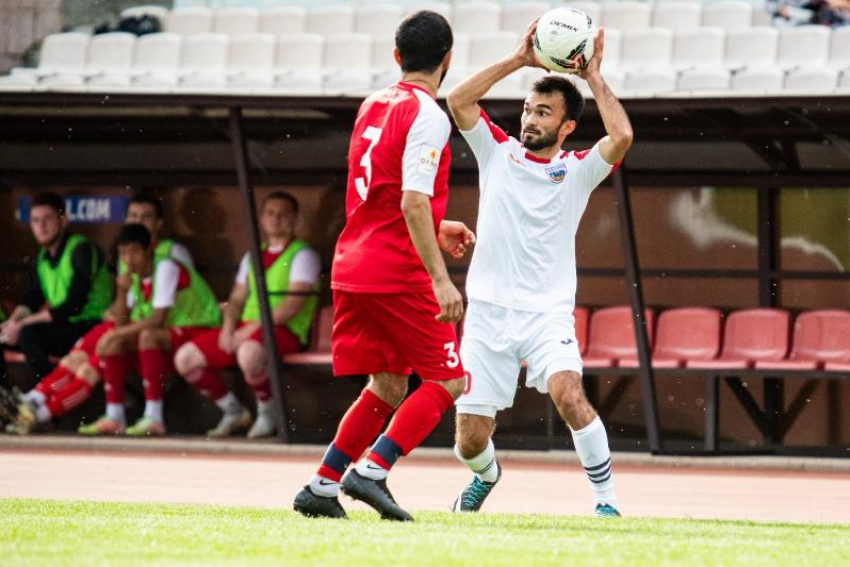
(84, 533)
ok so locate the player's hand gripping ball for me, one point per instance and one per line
(564, 38)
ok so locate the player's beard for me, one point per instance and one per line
(537, 142)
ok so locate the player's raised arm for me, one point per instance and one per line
(463, 99)
(614, 146)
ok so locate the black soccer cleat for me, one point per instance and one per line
(376, 494)
(314, 506)
(472, 497)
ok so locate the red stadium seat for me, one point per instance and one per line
(612, 336)
(820, 337)
(581, 315)
(751, 335)
(683, 334)
(320, 341)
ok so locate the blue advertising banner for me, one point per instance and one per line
(81, 208)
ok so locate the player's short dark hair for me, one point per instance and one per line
(49, 199)
(145, 198)
(281, 196)
(133, 234)
(423, 39)
(573, 100)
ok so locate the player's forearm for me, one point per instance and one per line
(614, 118)
(20, 312)
(156, 320)
(463, 99)
(232, 313)
(287, 309)
(416, 208)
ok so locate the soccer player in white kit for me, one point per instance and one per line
(522, 279)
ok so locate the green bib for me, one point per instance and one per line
(56, 281)
(277, 282)
(194, 306)
(162, 250)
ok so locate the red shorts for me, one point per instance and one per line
(395, 333)
(182, 335)
(88, 342)
(217, 359)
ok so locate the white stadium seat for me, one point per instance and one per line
(378, 20)
(646, 48)
(806, 46)
(236, 21)
(331, 20)
(839, 48)
(63, 52)
(816, 79)
(157, 60)
(461, 51)
(592, 9)
(477, 18)
(702, 47)
(386, 70)
(844, 81)
(203, 60)
(704, 79)
(489, 48)
(761, 80)
(190, 20)
(113, 52)
(651, 81)
(751, 47)
(517, 17)
(728, 15)
(348, 63)
(285, 20)
(613, 48)
(626, 15)
(442, 8)
(251, 60)
(299, 62)
(677, 16)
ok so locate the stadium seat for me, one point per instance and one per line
(750, 335)
(386, 70)
(112, 54)
(159, 12)
(728, 15)
(319, 351)
(839, 48)
(704, 79)
(331, 20)
(844, 80)
(285, 20)
(613, 48)
(581, 315)
(64, 52)
(477, 18)
(820, 337)
(627, 15)
(677, 15)
(299, 63)
(753, 47)
(203, 61)
(699, 48)
(444, 9)
(157, 60)
(236, 21)
(761, 80)
(611, 336)
(348, 63)
(378, 20)
(251, 60)
(517, 17)
(190, 20)
(488, 48)
(683, 334)
(816, 79)
(806, 46)
(592, 9)
(646, 48)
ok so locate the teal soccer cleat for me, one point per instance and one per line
(607, 511)
(473, 496)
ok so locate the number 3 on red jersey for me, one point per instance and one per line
(372, 134)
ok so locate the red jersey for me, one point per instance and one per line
(399, 143)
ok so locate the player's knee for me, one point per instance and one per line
(567, 390)
(392, 390)
(74, 359)
(251, 358)
(188, 358)
(472, 433)
(454, 387)
(149, 339)
(88, 373)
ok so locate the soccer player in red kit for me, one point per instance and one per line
(394, 303)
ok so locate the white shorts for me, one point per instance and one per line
(495, 342)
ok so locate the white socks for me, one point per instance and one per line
(36, 401)
(229, 404)
(115, 412)
(265, 407)
(371, 470)
(153, 409)
(322, 486)
(483, 465)
(592, 447)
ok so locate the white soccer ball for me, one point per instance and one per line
(562, 35)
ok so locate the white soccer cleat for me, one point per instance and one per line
(264, 426)
(230, 423)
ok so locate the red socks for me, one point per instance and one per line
(155, 364)
(69, 397)
(417, 416)
(55, 381)
(261, 386)
(358, 428)
(207, 382)
(114, 378)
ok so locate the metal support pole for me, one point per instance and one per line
(247, 190)
(712, 413)
(647, 381)
(774, 388)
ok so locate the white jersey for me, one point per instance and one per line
(528, 215)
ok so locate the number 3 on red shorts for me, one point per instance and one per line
(453, 359)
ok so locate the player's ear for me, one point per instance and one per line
(447, 60)
(397, 57)
(568, 127)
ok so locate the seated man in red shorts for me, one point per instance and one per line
(292, 275)
(168, 304)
